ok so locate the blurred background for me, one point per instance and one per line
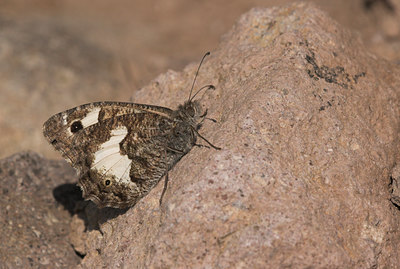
(59, 54)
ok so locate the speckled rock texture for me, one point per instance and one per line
(308, 122)
(34, 227)
(307, 119)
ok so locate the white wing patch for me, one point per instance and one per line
(108, 159)
(91, 118)
(64, 117)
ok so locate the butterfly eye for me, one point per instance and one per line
(54, 142)
(191, 111)
(107, 182)
(76, 126)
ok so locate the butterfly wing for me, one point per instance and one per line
(121, 150)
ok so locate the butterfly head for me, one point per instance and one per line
(190, 112)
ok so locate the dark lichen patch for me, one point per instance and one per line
(336, 75)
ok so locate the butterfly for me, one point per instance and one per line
(122, 150)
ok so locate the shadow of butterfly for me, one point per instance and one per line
(122, 150)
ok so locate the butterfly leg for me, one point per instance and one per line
(205, 118)
(211, 119)
(201, 146)
(166, 174)
(204, 114)
(164, 188)
(208, 142)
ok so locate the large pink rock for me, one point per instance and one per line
(308, 173)
(308, 122)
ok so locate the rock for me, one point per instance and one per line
(35, 228)
(307, 119)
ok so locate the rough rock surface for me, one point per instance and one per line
(308, 122)
(34, 228)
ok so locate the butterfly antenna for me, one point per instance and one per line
(197, 72)
(209, 87)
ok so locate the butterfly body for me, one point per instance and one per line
(122, 150)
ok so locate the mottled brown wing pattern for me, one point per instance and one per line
(122, 150)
